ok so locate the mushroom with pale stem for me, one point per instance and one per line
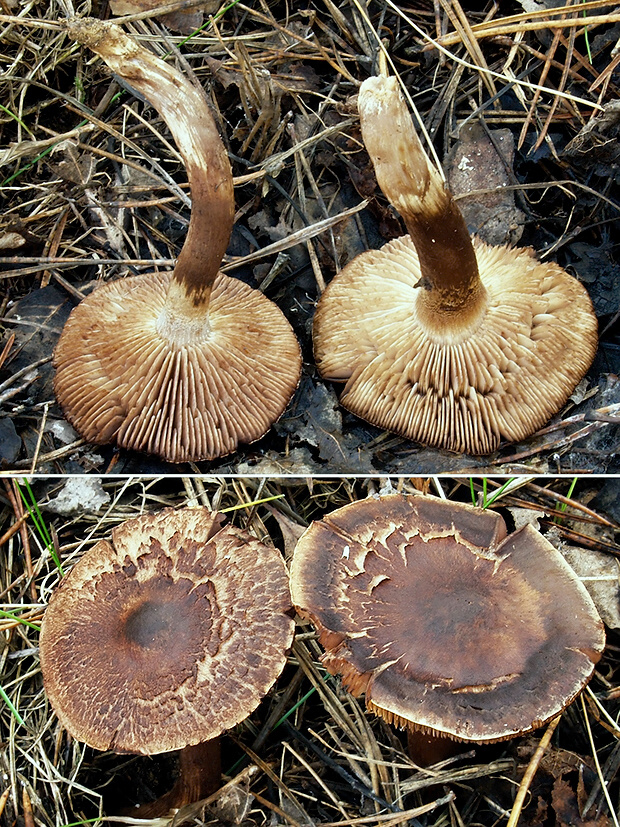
(166, 637)
(445, 623)
(189, 363)
(441, 338)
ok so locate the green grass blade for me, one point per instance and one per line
(497, 494)
(16, 118)
(38, 521)
(9, 703)
(563, 506)
(19, 619)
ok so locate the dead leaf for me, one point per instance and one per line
(184, 20)
(229, 805)
(526, 516)
(479, 162)
(600, 574)
(556, 762)
(24, 149)
(291, 530)
(75, 167)
(564, 802)
(11, 241)
(599, 135)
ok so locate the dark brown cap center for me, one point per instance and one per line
(153, 625)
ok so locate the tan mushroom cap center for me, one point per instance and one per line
(169, 636)
(441, 620)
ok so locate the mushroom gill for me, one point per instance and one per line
(186, 364)
(441, 338)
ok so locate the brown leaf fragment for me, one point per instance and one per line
(184, 21)
(599, 136)
(541, 812)
(291, 530)
(600, 575)
(11, 241)
(555, 762)
(364, 179)
(479, 161)
(74, 166)
(564, 802)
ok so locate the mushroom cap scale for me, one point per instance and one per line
(165, 637)
(186, 390)
(501, 375)
(444, 627)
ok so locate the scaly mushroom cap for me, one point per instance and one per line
(444, 622)
(503, 379)
(453, 344)
(168, 636)
(187, 391)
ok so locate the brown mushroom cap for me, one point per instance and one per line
(192, 391)
(451, 344)
(168, 635)
(444, 622)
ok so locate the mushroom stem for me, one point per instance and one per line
(200, 772)
(426, 749)
(185, 110)
(200, 775)
(416, 189)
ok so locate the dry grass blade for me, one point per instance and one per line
(298, 237)
(514, 80)
(527, 23)
(524, 786)
(462, 26)
(599, 772)
(93, 189)
(315, 756)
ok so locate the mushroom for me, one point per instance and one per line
(183, 364)
(439, 337)
(166, 637)
(448, 625)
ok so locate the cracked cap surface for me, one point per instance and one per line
(443, 621)
(167, 636)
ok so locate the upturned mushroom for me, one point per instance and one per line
(437, 336)
(166, 637)
(184, 364)
(445, 623)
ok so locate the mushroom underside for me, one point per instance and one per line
(440, 634)
(502, 380)
(193, 396)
